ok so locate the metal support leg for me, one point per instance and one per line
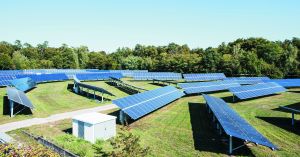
(121, 116)
(102, 97)
(293, 118)
(230, 144)
(11, 106)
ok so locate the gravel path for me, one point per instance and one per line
(34, 121)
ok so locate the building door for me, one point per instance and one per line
(81, 129)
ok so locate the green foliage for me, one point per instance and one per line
(9, 150)
(127, 144)
(252, 56)
(72, 143)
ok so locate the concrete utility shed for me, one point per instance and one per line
(93, 126)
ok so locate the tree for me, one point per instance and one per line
(6, 62)
(20, 61)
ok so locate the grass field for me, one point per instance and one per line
(184, 128)
(51, 98)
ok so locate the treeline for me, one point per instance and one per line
(252, 56)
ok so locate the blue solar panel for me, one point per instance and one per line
(257, 90)
(233, 124)
(157, 76)
(23, 84)
(200, 87)
(45, 77)
(19, 97)
(288, 83)
(128, 73)
(98, 76)
(5, 79)
(141, 104)
(248, 80)
(204, 76)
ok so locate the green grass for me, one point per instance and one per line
(183, 128)
(51, 98)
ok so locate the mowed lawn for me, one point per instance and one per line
(184, 127)
(52, 98)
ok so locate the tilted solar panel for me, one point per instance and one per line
(23, 84)
(98, 76)
(286, 82)
(248, 80)
(200, 87)
(204, 76)
(157, 76)
(141, 104)
(257, 90)
(18, 96)
(233, 124)
(99, 89)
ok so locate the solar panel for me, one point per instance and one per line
(99, 89)
(204, 76)
(140, 104)
(257, 90)
(233, 124)
(98, 76)
(288, 83)
(23, 84)
(18, 97)
(157, 76)
(248, 80)
(200, 87)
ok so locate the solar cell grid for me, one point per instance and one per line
(141, 104)
(199, 87)
(251, 91)
(248, 80)
(204, 76)
(286, 82)
(19, 97)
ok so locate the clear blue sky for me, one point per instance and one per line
(109, 24)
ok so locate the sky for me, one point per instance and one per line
(110, 24)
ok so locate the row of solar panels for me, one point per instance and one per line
(139, 105)
(242, 92)
(91, 87)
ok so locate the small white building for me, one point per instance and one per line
(93, 126)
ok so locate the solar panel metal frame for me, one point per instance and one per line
(233, 124)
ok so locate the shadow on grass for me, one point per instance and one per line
(87, 94)
(295, 106)
(124, 89)
(19, 109)
(68, 131)
(205, 135)
(158, 84)
(284, 123)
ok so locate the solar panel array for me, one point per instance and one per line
(19, 97)
(233, 124)
(200, 87)
(128, 73)
(141, 104)
(248, 80)
(288, 83)
(257, 90)
(157, 76)
(98, 76)
(45, 77)
(23, 84)
(5, 80)
(204, 76)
